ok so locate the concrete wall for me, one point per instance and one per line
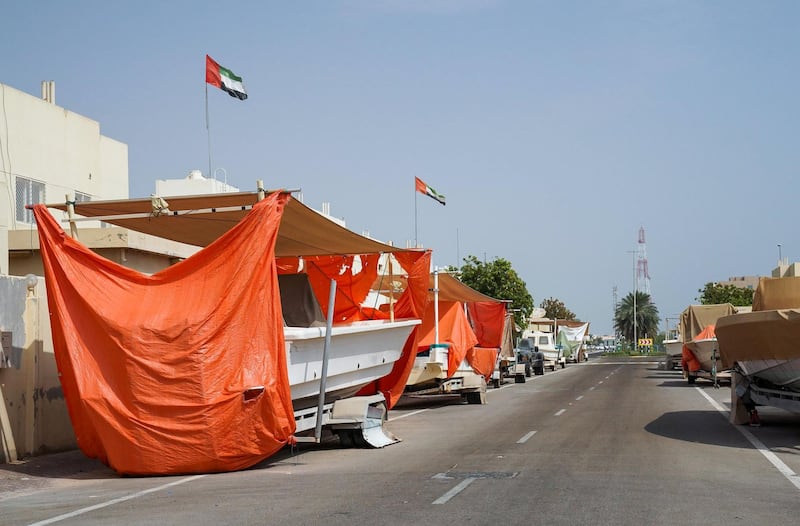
(33, 413)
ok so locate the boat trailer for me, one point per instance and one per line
(358, 421)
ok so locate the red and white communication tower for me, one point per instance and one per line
(642, 274)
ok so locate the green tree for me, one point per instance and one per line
(714, 294)
(647, 319)
(498, 280)
(556, 310)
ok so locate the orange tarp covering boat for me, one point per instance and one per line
(351, 290)
(488, 320)
(688, 360)
(454, 328)
(181, 371)
(482, 360)
(412, 303)
(302, 233)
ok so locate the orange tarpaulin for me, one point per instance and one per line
(454, 328)
(182, 371)
(482, 360)
(488, 320)
(351, 288)
(412, 303)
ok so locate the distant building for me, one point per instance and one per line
(743, 282)
(785, 270)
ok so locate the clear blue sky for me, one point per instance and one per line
(555, 129)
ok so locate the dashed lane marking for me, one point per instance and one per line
(407, 415)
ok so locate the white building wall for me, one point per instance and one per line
(49, 144)
(193, 184)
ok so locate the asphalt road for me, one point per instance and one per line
(605, 442)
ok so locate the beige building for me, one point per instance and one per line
(49, 154)
(743, 282)
(785, 270)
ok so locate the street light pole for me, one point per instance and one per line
(635, 287)
(780, 259)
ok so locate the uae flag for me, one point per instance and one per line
(224, 79)
(427, 190)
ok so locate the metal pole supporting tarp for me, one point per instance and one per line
(324, 376)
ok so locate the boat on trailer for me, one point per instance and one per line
(763, 346)
(324, 362)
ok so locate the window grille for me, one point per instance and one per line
(29, 192)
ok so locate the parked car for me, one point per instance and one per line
(537, 361)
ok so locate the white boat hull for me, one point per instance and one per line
(674, 348)
(359, 353)
(784, 374)
(426, 371)
(706, 351)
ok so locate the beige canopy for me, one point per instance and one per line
(759, 335)
(771, 331)
(201, 219)
(451, 289)
(777, 293)
(695, 318)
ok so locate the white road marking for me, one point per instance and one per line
(407, 414)
(600, 382)
(455, 491)
(114, 501)
(785, 470)
(560, 412)
(526, 437)
(591, 388)
(581, 396)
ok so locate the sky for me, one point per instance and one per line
(555, 129)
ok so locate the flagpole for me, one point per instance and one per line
(208, 131)
(415, 217)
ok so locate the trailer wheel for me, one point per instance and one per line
(473, 398)
(690, 379)
(346, 438)
(563, 365)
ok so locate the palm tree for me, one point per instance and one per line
(647, 319)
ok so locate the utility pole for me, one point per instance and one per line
(635, 324)
(614, 314)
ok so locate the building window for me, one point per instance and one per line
(80, 197)
(29, 192)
